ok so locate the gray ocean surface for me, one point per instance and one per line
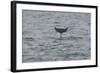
(41, 43)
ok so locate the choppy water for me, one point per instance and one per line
(41, 42)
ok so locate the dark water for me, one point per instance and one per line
(41, 42)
